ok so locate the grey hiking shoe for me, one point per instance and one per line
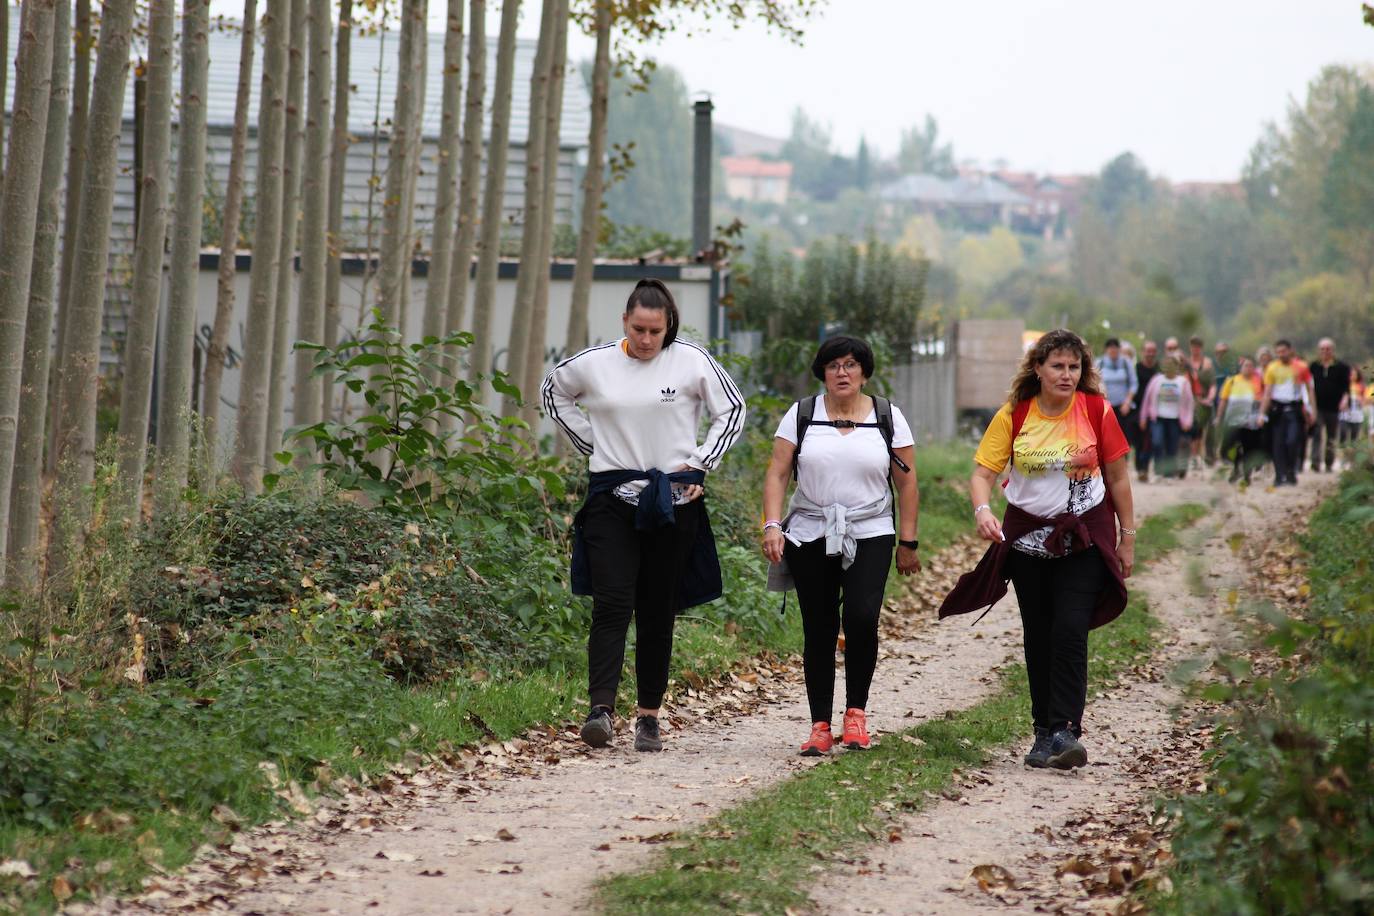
(1039, 754)
(1065, 751)
(597, 730)
(646, 734)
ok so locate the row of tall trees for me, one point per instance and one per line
(63, 140)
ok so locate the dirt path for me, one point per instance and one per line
(530, 826)
(1044, 833)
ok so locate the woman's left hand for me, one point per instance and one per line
(908, 561)
(694, 490)
(1125, 552)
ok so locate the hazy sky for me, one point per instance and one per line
(1048, 85)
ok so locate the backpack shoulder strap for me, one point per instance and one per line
(806, 411)
(882, 407)
(1018, 418)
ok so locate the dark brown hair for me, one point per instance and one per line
(1026, 384)
(650, 293)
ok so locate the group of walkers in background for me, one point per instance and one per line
(643, 547)
(1187, 411)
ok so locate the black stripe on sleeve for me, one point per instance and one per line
(735, 420)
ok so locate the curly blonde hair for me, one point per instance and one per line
(1026, 384)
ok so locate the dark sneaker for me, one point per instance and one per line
(597, 731)
(1065, 751)
(646, 734)
(1039, 754)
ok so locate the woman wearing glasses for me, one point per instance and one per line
(838, 535)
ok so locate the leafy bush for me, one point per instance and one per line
(1287, 823)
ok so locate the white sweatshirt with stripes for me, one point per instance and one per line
(640, 414)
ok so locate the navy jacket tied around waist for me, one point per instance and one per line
(700, 581)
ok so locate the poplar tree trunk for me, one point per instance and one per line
(290, 224)
(18, 219)
(218, 348)
(396, 222)
(539, 314)
(412, 234)
(469, 184)
(593, 184)
(80, 371)
(338, 163)
(174, 413)
(445, 202)
(498, 145)
(532, 230)
(314, 242)
(27, 488)
(76, 167)
(135, 393)
(251, 422)
(4, 75)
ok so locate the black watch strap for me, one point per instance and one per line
(913, 545)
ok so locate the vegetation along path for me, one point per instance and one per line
(543, 824)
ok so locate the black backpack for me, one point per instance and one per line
(882, 407)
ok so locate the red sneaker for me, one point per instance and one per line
(820, 742)
(855, 730)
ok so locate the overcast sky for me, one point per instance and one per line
(1048, 85)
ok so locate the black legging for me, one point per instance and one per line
(1057, 596)
(819, 580)
(634, 573)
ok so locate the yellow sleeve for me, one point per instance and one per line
(1226, 389)
(995, 450)
(1271, 374)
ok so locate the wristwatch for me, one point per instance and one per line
(910, 545)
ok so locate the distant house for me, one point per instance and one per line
(755, 179)
(979, 200)
(736, 141)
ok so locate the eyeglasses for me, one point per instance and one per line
(848, 366)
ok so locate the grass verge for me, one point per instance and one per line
(1286, 824)
(757, 857)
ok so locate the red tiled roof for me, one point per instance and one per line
(754, 167)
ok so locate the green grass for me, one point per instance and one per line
(757, 857)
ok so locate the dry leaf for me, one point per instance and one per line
(16, 868)
(396, 855)
(505, 835)
(62, 889)
(992, 877)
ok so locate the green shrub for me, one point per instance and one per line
(1287, 822)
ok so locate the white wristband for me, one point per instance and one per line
(977, 509)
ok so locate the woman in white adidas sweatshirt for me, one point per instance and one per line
(643, 542)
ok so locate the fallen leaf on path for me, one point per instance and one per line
(992, 877)
(16, 868)
(62, 889)
(505, 835)
(396, 855)
(431, 872)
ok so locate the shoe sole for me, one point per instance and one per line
(596, 734)
(1073, 757)
(646, 744)
(813, 752)
(1037, 763)
(855, 746)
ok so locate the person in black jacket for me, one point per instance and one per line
(1331, 384)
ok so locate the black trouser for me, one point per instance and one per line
(634, 573)
(1285, 425)
(1328, 422)
(1140, 439)
(1057, 597)
(819, 580)
(1241, 446)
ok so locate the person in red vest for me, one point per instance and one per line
(1067, 488)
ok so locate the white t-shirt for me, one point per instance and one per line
(640, 414)
(1170, 397)
(849, 469)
